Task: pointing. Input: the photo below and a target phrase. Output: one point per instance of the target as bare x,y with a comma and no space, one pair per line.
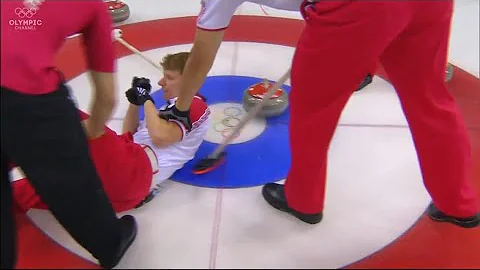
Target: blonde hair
175,62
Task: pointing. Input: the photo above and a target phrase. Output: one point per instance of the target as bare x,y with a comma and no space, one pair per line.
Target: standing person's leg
43,136
415,64
8,231
125,168
332,58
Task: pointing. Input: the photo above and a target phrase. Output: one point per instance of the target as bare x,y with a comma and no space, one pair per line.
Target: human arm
199,63
103,103
162,132
136,96
214,18
100,56
130,123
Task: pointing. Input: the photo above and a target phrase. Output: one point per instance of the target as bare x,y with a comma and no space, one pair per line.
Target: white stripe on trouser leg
152,157
16,174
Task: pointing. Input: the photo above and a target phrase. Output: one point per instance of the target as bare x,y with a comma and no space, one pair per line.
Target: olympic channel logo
26,15
25,12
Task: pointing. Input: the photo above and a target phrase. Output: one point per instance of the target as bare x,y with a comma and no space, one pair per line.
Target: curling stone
449,72
276,105
118,10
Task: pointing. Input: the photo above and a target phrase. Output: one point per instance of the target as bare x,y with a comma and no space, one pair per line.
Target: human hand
139,93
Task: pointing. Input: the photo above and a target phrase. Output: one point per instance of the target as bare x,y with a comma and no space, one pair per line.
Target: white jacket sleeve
217,14
290,5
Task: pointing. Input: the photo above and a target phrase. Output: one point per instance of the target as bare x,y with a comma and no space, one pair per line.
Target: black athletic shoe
275,196
368,80
152,194
129,233
437,215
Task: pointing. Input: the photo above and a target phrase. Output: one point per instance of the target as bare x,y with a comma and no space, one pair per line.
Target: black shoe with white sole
129,233
274,194
437,215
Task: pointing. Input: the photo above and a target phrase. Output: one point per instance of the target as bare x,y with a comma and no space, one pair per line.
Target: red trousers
341,42
123,166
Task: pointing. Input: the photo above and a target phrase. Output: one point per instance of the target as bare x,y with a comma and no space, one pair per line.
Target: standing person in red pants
40,126
410,38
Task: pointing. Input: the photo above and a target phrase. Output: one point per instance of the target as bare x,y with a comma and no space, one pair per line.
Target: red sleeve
98,39
198,110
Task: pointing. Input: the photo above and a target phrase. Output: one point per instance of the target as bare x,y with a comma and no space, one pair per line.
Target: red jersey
34,30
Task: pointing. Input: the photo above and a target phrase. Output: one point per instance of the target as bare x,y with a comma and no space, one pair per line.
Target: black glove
139,93
172,113
142,95
132,97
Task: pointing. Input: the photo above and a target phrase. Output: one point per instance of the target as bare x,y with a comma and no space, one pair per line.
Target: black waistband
61,89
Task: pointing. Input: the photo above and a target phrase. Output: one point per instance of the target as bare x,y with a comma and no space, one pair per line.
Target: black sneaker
129,233
437,215
368,80
150,196
275,196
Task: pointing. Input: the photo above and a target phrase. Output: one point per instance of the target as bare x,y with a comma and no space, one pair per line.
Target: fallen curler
218,155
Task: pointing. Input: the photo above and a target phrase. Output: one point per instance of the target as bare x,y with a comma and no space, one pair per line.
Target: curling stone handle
251,114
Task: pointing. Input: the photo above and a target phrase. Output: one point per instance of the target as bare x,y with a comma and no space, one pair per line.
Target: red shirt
31,37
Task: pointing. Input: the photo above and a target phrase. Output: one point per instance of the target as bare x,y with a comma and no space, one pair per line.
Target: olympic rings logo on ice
25,12
229,122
